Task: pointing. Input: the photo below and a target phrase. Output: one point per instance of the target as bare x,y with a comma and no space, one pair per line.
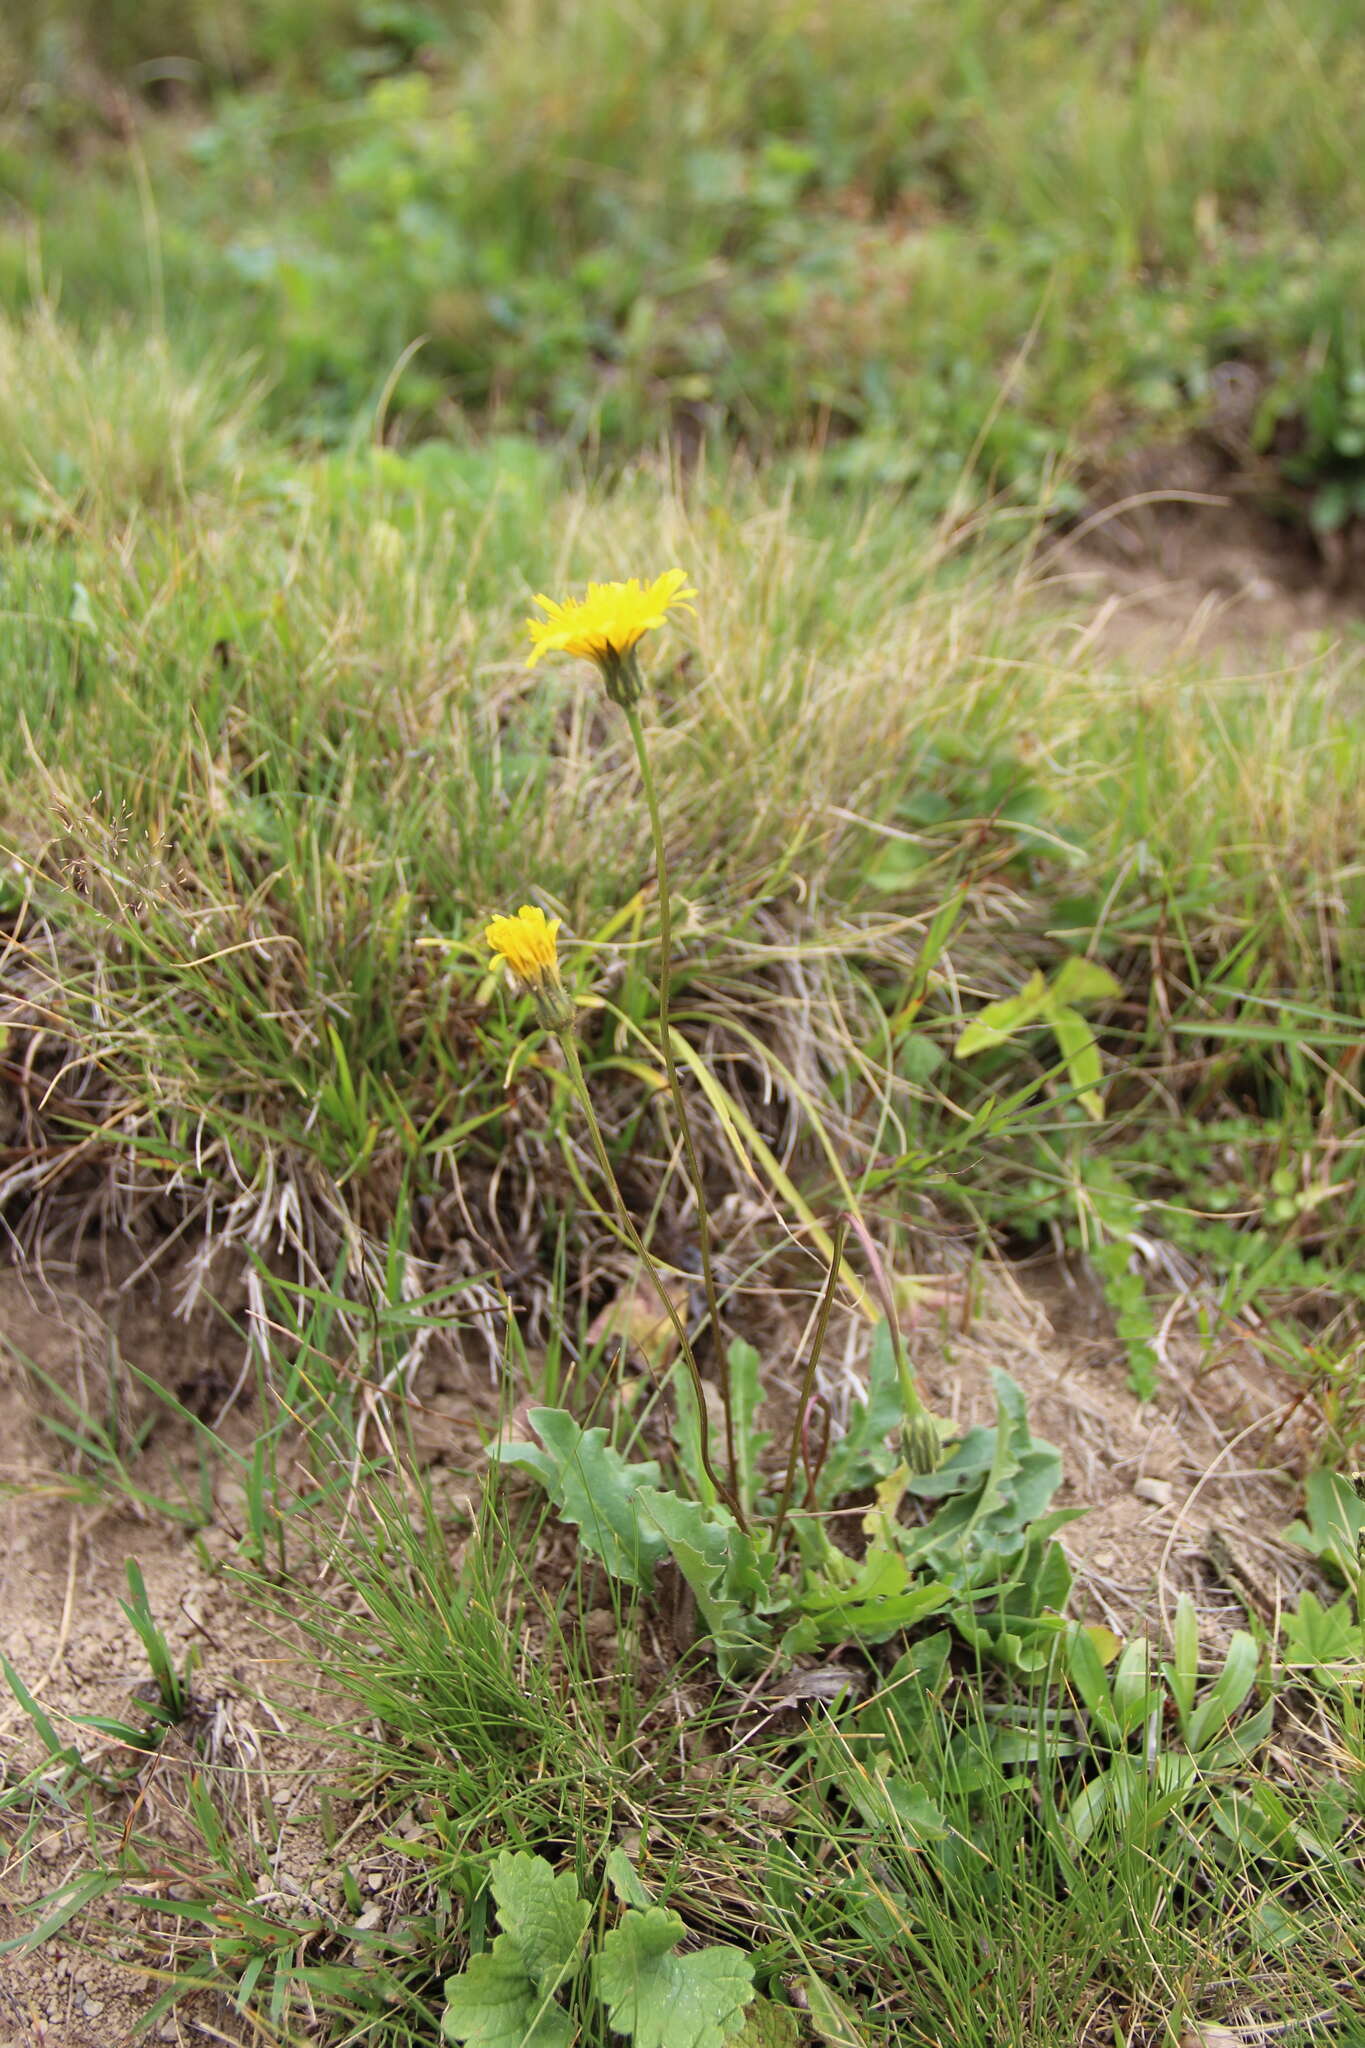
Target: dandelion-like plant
606,627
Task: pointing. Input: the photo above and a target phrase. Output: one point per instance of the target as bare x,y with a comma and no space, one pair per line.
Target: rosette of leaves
972,1540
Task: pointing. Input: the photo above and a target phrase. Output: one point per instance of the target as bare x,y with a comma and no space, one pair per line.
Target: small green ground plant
653,1995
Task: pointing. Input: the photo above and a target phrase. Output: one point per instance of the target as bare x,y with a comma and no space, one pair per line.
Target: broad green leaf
868,1778
1088,1675
862,1455
1273,1928
746,1392
494,2004
1090,1805
1226,1695
1080,981
1135,1696
687,1435
1318,1636
971,1460
729,1579
1237,1744
542,1913
1003,1477
768,2026
1335,1530
1182,1674
595,1489
625,1879
666,2000
879,1523
1081,1055
999,1021
918,1058
879,1602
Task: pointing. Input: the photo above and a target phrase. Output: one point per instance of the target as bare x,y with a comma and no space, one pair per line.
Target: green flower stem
637,1243
808,1381
920,1438
675,1090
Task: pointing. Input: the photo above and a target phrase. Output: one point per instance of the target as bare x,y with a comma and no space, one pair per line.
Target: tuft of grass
112,431
269,773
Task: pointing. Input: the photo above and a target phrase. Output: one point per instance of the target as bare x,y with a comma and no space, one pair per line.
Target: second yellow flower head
527,942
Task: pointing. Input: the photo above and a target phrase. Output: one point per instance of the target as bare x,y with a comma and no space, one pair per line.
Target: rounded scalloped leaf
666,2000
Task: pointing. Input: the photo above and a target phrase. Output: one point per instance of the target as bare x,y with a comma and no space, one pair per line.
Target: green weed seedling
1322,1643
173,1691
1324,1646
1144,1776
1334,1531
1055,1004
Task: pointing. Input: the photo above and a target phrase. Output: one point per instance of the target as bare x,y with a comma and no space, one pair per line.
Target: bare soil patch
65,1536
1184,556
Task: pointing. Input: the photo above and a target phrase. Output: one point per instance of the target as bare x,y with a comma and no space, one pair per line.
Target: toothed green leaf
505,1998
542,1913
494,2004
594,1488
666,2000
729,1578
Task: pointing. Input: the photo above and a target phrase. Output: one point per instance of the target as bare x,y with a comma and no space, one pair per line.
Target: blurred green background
1015,238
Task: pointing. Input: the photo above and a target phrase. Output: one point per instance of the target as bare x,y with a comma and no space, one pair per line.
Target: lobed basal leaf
665,2000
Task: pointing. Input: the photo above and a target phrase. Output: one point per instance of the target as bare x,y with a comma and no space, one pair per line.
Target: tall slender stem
675,1088
637,1243
808,1382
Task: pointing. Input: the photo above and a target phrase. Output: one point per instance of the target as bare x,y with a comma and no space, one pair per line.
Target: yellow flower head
605,626
527,943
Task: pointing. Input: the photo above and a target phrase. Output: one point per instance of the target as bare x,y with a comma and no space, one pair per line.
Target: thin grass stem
808,1379
679,1102
723,1492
